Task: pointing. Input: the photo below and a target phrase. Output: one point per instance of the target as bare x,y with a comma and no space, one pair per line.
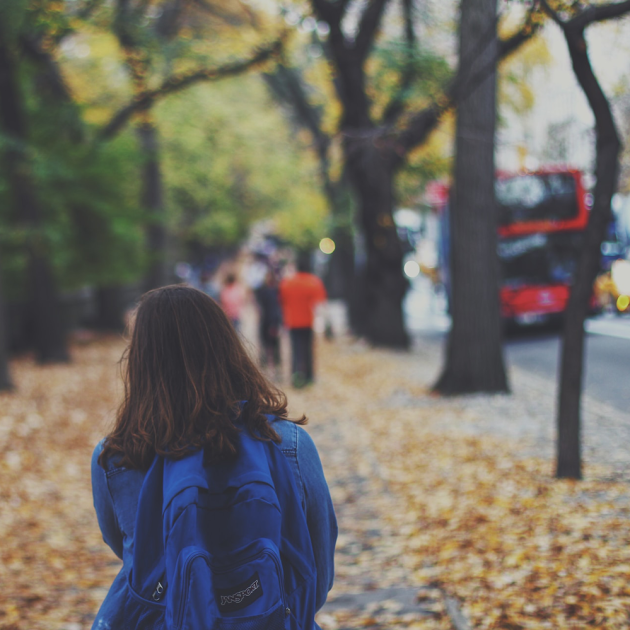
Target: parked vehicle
612,288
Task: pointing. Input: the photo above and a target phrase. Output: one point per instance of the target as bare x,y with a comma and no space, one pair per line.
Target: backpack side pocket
141,613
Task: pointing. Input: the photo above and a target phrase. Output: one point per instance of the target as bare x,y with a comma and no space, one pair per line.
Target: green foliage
92,197
229,160
90,223
12,17
516,94
394,72
431,161
92,228
391,60
430,74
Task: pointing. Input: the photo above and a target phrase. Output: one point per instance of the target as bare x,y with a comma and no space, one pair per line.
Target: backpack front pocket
275,619
246,587
249,581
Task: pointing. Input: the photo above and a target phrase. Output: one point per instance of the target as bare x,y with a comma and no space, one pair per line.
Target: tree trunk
49,336
153,202
341,268
5,377
110,308
340,272
474,356
608,146
371,174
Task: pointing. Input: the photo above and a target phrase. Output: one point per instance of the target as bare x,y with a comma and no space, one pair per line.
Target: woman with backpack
214,500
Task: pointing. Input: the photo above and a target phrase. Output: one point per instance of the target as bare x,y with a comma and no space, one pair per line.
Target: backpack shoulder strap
148,552
180,474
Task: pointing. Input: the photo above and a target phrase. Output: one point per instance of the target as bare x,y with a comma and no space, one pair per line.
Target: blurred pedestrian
270,320
256,272
299,296
208,285
232,299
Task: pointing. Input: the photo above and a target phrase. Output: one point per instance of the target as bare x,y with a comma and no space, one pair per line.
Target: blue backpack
222,546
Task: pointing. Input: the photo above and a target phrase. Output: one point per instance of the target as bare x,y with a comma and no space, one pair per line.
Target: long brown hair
186,374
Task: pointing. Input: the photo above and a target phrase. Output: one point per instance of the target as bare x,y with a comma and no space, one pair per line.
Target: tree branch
83,13
368,26
286,84
573,30
397,105
595,13
56,85
123,24
86,11
602,12
176,83
167,25
337,47
425,121
228,16
329,12
505,47
52,86
515,41
552,14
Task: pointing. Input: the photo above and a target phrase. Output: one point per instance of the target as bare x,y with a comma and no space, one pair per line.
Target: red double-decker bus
542,218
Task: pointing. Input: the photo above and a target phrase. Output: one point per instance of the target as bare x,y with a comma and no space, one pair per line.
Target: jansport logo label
237,598
240,595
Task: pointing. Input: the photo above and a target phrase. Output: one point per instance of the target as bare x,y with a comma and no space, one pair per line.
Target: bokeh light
411,268
327,245
620,273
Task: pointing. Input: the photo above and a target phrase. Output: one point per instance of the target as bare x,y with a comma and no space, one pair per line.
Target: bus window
536,197
539,259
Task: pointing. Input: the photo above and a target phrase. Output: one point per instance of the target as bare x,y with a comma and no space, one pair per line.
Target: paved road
607,359
536,350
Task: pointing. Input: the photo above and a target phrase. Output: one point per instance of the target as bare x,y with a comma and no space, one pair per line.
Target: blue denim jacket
116,491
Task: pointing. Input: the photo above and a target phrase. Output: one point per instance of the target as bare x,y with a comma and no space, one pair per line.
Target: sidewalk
441,503
454,500
527,415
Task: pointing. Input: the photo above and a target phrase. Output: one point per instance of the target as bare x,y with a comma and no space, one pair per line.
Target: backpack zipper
187,569
276,561
157,594
287,610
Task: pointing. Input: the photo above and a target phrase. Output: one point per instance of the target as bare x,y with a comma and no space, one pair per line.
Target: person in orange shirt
299,295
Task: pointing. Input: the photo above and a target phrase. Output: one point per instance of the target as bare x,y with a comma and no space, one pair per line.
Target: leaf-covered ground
54,566
426,511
